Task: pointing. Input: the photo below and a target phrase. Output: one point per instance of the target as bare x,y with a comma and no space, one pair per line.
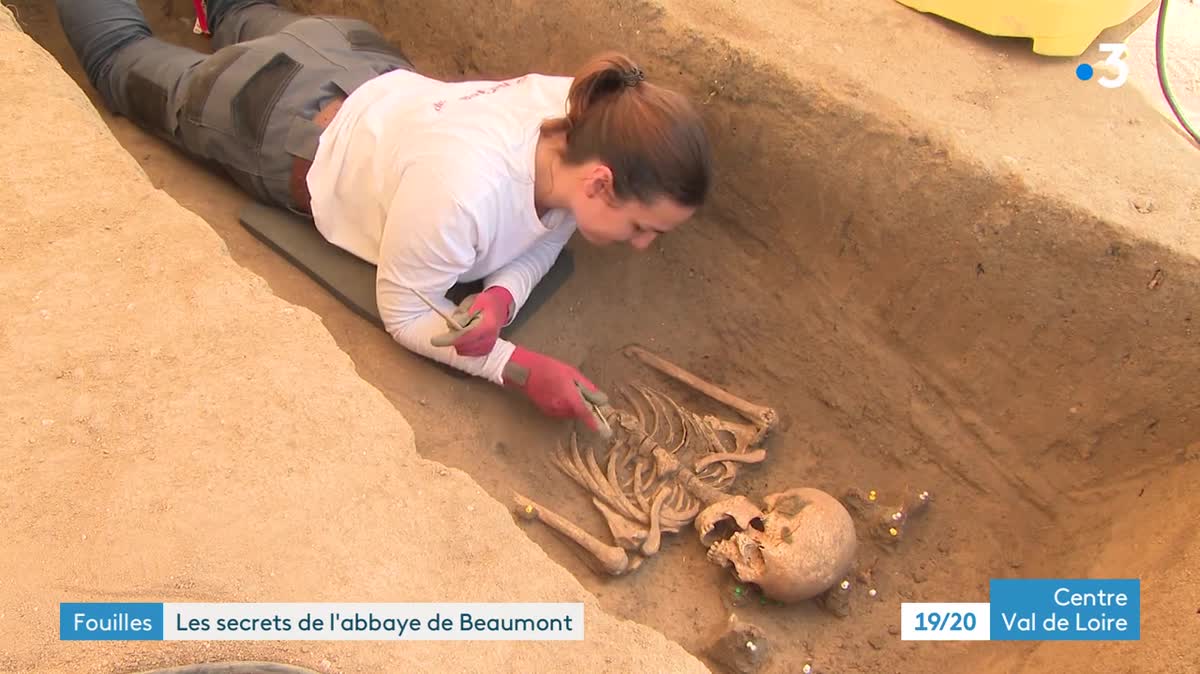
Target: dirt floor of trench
855,414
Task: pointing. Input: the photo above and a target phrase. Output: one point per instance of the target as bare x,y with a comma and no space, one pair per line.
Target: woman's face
602,219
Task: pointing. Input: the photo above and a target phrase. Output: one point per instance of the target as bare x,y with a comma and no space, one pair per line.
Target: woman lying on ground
434,182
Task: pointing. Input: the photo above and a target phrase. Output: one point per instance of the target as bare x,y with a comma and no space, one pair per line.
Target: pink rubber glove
557,389
482,316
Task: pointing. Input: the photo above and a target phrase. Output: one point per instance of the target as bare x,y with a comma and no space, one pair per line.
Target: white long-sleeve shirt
433,182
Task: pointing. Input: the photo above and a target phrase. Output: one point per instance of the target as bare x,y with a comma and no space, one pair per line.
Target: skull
798,547
717,521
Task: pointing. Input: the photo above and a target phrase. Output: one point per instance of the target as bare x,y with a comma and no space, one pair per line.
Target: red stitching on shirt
480,92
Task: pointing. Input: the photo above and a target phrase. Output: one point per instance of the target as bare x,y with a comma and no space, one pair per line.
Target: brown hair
651,138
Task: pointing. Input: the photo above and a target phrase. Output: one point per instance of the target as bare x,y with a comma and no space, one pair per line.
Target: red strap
201,14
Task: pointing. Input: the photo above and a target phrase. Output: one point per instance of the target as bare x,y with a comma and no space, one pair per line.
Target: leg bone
612,560
764,417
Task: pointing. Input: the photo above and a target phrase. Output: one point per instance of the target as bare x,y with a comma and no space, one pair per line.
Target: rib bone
617,458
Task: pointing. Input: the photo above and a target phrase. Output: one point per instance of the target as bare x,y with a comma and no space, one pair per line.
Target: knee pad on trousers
146,83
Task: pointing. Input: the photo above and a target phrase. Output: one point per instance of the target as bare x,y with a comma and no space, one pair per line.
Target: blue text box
110,622
1066,609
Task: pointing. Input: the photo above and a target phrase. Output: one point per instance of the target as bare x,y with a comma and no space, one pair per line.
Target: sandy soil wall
175,431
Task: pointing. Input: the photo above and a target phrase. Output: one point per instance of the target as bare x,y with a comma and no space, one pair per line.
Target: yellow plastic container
1058,27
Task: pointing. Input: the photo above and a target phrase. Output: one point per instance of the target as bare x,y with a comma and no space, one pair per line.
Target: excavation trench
920,323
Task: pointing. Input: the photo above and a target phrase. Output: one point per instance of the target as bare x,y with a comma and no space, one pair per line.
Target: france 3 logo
1116,52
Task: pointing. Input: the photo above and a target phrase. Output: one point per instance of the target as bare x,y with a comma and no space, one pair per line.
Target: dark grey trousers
247,107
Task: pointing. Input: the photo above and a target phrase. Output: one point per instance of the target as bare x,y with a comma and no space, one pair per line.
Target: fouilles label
110,622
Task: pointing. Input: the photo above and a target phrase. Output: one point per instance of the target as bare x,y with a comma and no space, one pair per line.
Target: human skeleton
666,467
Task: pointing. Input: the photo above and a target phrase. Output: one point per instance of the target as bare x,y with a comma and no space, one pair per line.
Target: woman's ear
598,183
